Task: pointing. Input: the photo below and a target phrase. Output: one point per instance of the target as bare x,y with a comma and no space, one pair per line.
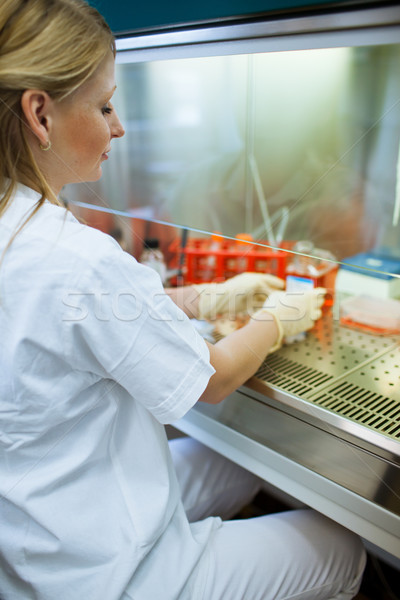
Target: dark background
126,16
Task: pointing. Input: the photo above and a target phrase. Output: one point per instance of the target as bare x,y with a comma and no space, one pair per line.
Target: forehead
100,84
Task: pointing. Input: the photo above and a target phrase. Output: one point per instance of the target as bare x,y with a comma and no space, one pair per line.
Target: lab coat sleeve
119,324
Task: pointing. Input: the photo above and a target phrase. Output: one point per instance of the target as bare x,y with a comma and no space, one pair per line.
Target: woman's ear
36,109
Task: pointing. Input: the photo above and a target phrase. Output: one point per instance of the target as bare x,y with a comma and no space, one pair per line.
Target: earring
45,148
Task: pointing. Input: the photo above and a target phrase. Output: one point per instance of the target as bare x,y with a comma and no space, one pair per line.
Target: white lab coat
94,359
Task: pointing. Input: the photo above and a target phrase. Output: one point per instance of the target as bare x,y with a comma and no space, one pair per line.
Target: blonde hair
50,45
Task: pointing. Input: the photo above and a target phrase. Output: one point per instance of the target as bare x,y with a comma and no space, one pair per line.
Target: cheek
87,137
97,138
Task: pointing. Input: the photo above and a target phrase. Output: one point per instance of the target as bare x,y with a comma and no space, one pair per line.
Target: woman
95,357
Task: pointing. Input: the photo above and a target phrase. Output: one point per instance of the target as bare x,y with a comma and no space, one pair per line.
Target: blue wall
131,15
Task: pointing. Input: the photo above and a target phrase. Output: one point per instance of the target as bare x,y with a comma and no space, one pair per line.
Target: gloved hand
294,312
244,293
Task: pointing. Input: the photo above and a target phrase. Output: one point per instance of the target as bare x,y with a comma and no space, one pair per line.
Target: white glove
294,312
244,293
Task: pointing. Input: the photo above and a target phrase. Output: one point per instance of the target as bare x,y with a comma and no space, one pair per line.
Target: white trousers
296,554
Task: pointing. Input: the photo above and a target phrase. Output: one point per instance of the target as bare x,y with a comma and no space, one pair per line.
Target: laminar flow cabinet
287,129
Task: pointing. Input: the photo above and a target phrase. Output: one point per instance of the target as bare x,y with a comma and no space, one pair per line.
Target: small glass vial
312,267
153,257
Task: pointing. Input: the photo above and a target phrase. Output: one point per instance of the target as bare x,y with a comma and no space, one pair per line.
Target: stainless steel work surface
330,404
345,378
346,385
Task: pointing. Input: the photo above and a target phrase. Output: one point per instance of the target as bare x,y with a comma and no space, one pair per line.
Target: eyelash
106,110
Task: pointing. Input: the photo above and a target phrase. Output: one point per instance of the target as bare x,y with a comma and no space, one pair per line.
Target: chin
94,176
84,177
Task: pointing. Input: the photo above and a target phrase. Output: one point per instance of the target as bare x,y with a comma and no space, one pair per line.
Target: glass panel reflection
283,146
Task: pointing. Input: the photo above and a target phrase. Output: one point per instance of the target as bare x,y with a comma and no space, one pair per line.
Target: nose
117,129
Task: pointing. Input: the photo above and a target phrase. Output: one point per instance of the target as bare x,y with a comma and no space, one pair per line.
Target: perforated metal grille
369,409
353,374
336,350
291,376
370,395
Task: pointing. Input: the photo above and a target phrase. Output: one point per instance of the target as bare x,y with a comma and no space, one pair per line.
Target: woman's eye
106,110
